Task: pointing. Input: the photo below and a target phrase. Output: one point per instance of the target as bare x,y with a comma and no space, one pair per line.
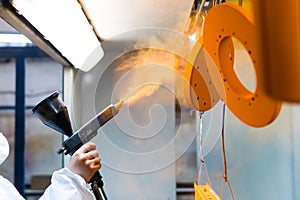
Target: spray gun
53,113
89,130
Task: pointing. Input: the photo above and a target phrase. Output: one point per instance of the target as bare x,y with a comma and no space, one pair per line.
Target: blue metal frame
25,52
20,54
19,177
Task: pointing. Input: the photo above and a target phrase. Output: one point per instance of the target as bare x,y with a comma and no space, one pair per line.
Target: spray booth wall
43,76
262,162
139,154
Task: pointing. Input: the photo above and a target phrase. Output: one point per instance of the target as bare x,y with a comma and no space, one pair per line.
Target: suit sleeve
65,185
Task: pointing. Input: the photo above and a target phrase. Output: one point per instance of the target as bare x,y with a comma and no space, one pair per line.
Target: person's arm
70,182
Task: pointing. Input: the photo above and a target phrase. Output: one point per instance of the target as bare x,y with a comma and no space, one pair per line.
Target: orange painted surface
221,24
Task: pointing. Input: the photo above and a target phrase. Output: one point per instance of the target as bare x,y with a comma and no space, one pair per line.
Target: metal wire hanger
201,158
225,175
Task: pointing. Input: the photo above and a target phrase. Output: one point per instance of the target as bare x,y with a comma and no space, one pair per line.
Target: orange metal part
278,25
201,94
221,24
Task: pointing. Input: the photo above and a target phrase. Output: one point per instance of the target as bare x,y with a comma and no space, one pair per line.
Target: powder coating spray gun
53,113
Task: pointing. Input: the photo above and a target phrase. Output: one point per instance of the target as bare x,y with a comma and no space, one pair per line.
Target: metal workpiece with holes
253,108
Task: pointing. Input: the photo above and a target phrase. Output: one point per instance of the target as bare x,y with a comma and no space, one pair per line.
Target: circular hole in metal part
250,52
204,103
213,100
243,67
245,42
220,36
198,98
253,98
195,85
224,79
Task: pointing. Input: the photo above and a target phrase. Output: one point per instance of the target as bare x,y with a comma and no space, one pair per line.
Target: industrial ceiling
106,18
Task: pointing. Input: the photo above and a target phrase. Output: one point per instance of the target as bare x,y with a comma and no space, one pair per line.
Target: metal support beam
19,178
12,52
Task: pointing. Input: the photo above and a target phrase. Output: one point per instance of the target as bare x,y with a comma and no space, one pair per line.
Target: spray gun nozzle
119,104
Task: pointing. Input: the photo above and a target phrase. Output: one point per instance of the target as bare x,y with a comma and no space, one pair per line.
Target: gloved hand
85,161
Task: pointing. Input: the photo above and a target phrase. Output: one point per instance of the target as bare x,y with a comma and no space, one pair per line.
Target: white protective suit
64,183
